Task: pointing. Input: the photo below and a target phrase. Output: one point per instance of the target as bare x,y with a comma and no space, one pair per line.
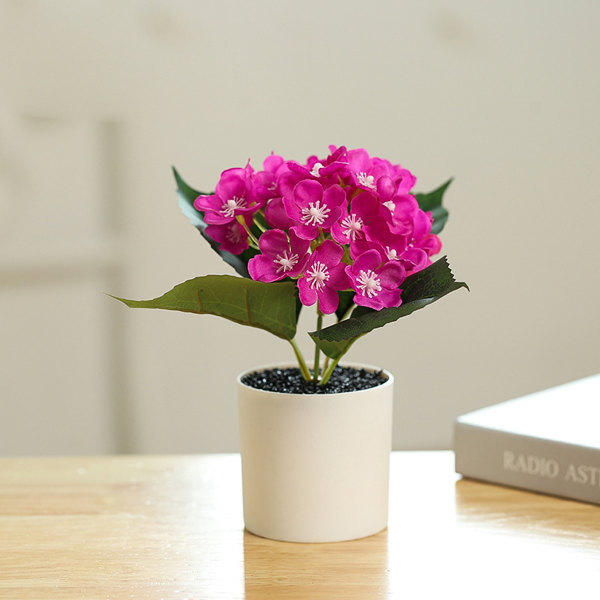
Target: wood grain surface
172,527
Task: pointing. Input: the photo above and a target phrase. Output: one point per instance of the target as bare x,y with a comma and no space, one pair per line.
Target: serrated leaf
268,306
419,290
432,202
186,196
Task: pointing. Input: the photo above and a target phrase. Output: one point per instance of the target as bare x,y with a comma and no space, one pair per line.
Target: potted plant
346,235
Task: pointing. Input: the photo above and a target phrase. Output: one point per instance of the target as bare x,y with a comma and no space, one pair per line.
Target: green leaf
432,202
419,290
268,306
187,195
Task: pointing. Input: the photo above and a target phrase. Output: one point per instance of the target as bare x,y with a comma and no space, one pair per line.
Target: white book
545,442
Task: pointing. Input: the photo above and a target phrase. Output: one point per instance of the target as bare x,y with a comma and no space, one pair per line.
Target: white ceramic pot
315,467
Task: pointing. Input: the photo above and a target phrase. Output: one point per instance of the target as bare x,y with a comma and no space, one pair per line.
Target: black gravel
343,379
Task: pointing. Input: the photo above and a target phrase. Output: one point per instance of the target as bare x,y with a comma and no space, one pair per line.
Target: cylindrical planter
315,467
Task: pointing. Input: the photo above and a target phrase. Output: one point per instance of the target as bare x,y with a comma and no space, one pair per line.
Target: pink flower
233,196
397,248
403,178
323,277
335,164
373,173
327,171
365,171
280,257
231,237
313,208
403,209
265,182
377,286
413,254
350,228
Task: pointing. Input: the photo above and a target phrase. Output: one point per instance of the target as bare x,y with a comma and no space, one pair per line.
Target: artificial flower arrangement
345,234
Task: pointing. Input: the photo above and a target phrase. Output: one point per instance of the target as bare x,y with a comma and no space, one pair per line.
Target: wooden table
171,527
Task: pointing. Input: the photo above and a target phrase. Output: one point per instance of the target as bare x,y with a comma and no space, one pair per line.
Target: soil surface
343,379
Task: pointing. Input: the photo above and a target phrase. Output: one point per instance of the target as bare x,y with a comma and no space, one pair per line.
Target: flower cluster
345,222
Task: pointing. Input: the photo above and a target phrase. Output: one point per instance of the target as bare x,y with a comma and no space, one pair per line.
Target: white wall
99,98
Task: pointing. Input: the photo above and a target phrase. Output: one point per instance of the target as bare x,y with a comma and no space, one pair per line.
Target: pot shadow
298,570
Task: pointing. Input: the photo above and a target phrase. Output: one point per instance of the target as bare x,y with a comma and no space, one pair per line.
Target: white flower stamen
286,261
390,204
228,209
352,227
391,253
316,168
315,214
365,180
317,275
234,233
368,283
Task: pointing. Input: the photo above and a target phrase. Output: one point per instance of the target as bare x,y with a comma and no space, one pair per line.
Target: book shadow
503,509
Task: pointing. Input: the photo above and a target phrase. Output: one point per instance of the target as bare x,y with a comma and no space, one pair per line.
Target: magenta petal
337,233
272,163
359,159
276,215
300,170
287,183
431,244
422,224
299,245
280,258
338,280
215,218
307,191
308,296
232,183
328,300
334,196
378,231
367,261
291,208
331,218
405,207
391,275
405,179
273,241
306,232
329,253
207,203
360,246
231,237
374,302
415,259
385,188
390,298
261,268
366,206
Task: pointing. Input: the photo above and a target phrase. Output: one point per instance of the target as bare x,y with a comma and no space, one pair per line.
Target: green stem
301,362
317,360
327,373
240,219
327,368
258,221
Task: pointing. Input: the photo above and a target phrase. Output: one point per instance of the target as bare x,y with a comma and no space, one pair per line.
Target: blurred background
99,98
